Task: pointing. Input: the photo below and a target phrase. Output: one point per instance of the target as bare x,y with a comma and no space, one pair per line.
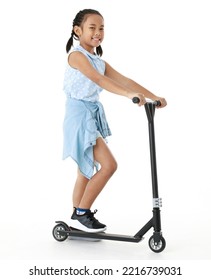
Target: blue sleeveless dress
84,117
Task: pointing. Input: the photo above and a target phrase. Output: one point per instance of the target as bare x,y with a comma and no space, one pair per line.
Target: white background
165,46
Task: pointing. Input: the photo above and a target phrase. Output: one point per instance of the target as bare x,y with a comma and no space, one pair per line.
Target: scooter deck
104,236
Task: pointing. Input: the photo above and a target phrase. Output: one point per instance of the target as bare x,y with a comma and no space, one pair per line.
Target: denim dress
85,118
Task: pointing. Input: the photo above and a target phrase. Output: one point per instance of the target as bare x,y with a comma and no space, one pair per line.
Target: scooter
156,242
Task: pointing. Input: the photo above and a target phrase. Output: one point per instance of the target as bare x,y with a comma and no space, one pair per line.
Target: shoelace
91,215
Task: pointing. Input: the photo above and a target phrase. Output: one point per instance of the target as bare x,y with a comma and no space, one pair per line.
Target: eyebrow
93,24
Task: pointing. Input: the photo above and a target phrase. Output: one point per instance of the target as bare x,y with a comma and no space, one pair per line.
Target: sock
81,211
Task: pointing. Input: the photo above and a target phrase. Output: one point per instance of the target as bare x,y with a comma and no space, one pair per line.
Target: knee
114,167
110,168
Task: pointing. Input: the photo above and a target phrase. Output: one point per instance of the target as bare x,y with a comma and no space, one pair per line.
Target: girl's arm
131,85
79,61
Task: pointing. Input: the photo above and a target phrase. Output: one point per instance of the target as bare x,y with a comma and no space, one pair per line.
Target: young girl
85,124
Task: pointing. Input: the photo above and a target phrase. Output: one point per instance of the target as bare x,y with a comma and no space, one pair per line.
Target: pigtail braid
70,42
99,50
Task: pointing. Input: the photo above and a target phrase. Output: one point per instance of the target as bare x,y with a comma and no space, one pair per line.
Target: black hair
79,19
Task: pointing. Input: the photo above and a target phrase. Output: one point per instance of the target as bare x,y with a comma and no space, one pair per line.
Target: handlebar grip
136,100
157,103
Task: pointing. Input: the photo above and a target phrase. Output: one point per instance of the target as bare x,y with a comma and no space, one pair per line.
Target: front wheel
59,232
157,247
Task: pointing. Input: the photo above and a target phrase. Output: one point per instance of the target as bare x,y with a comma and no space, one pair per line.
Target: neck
87,48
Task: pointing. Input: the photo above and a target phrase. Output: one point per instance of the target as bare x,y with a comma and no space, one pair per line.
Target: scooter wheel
157,247
57,232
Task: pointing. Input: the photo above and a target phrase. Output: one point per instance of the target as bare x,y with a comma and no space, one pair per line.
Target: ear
77,30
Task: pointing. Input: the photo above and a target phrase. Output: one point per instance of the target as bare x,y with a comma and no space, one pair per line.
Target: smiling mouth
96,39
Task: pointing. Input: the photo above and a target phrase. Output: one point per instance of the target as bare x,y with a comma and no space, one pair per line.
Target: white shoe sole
77,225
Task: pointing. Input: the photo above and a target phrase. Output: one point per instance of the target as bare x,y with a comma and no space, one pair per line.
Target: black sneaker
86,222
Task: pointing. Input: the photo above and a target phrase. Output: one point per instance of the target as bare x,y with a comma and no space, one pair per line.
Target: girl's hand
162,101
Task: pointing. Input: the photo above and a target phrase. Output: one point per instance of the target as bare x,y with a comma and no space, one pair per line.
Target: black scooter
156,242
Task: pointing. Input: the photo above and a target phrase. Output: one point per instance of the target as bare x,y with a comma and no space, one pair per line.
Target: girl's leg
79,188
94,186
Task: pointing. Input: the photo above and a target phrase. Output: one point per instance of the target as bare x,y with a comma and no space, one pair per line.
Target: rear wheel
59,232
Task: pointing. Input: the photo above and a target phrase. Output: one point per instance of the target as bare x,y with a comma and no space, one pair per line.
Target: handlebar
136,100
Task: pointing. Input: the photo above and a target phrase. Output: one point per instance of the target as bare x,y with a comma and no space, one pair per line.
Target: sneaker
86,222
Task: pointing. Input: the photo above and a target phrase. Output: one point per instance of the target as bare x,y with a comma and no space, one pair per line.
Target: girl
85,124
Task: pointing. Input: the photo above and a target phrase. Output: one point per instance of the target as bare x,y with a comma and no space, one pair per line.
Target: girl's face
91,33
